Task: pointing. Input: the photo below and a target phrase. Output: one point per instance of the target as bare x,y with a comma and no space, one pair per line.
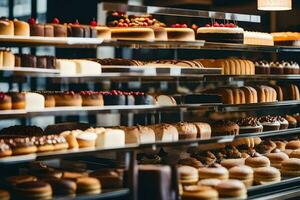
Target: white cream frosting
219,30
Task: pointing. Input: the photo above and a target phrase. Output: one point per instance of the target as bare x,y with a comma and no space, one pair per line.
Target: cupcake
276,68
269,123
249,125
290,67
284,124
262,67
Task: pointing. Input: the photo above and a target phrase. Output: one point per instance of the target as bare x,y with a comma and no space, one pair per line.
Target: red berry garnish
93,22
231,25
207,25
76,22
194,26
183,26
55,20
31,21
216,24
222,25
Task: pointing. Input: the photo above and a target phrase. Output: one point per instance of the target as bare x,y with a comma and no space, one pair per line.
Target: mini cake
266,175
258,38
48,30
276,68
68,98
180,32
232,189
186,130
242,173
36,29
249,125
6,27
290,167
5,101
222,127
28,60
197,192
41,62
86,139
227,33
21,28
60,30
130,33
262,67
284,124
114,97
187,175
18,100
256,160
213,171
291,68
90,98
269,123
276,157
75,30
142,98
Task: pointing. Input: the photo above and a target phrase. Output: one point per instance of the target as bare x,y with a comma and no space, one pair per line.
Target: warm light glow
274,4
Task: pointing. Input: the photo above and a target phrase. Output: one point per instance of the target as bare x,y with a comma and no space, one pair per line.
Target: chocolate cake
36,29
48,30
28,60
143,99
249,125
41,62
60,30
224,127
114,97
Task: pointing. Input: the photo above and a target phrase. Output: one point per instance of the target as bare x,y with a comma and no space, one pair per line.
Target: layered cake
225,33
180,32
249,125
258,38
286,38
269,123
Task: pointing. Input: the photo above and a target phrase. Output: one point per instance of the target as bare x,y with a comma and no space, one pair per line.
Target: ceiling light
270,5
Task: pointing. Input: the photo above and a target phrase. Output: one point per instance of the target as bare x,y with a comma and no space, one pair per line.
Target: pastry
5,101
87,67
6,27
90,98
4,195
292,121
132,33
269,123
187,175
197,192
291,92
203,130
266,175
190,162
249,125
108,178
266,146
88,185
295,154
21,146
280,144
73,176
18,100
186,130
35,28
68,98
266,94
15,180
250,94
232,189
222,127
33,190
5,150
62,186
290,167
165,100
293,145
225,33
60,30
276,157
165,132
213,171
8,59
256,160
86,139
242,173
205,157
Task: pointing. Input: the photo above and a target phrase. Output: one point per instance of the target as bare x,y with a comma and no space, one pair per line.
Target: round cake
225,33
5,101
249,125
180,33
21,28
132,33
69,98
6,27
91,98
60,30
222,127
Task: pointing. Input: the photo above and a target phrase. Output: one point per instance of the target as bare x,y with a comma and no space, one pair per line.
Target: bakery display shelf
65,42
287,188
136,44
18,159
106,6
105,194
256,77
216,107
284,132
27,71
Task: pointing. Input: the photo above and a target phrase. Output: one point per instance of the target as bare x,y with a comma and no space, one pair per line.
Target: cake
41,62
258,38
266,94
18,100
114,97
249,125
48,30
269,123
87,67
143,99
21,28
222,127
8,59
91,98
224,33
262,67
34,101
129,33
5,101
60,30
6,27
66,67
103,32
110,138
35,28
180,32
28,60
286,38
68,98
75,30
